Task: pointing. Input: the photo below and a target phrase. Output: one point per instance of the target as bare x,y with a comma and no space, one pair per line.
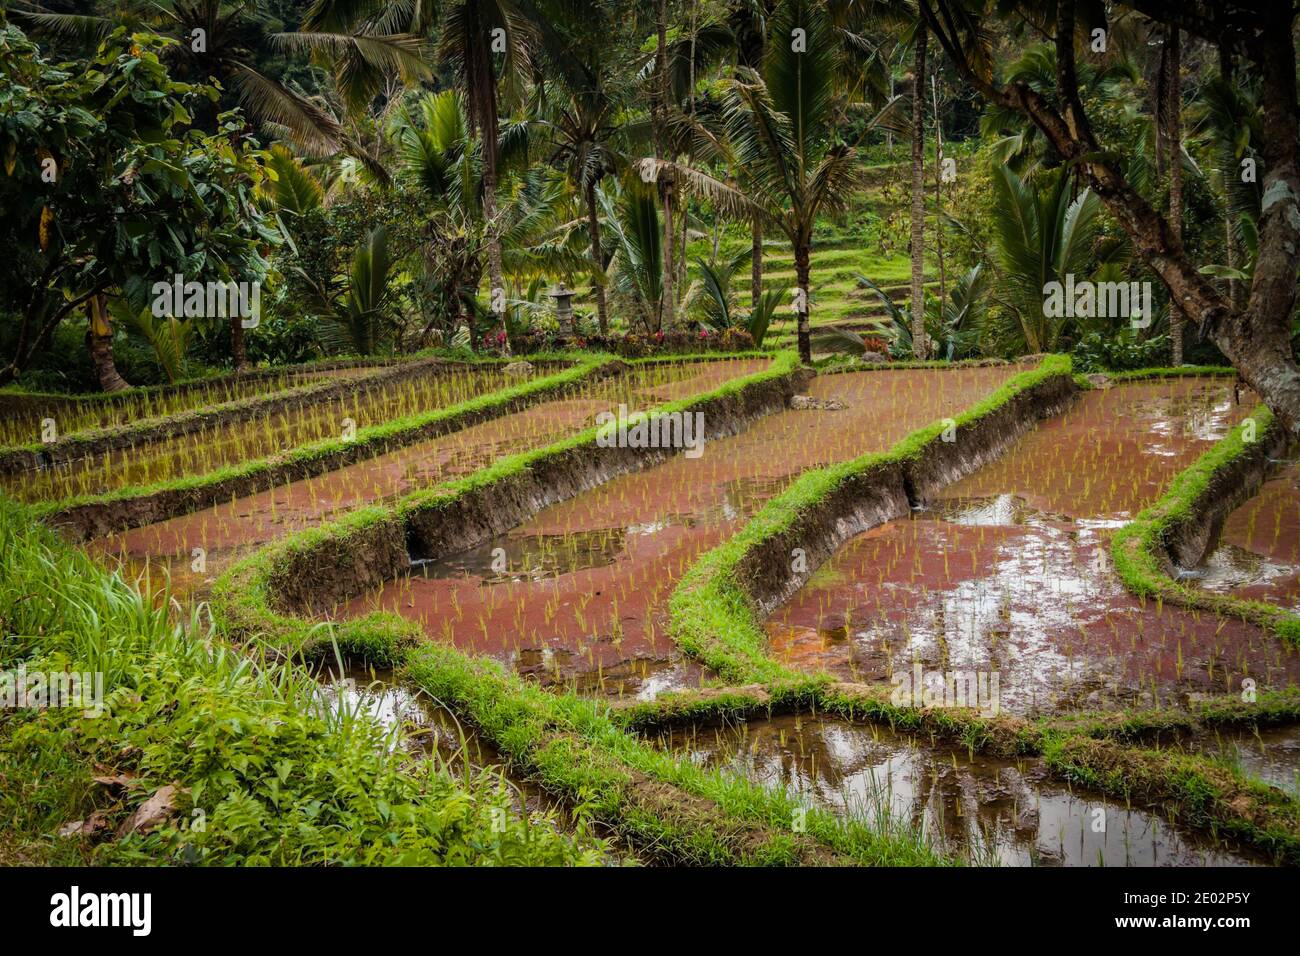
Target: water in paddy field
986,810
165,550
1258,554
578,596
1269,754
1009,572
430,730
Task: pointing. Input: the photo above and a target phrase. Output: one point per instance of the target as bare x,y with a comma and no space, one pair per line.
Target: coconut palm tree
1040,236
783,128
472,32
438,156
220,38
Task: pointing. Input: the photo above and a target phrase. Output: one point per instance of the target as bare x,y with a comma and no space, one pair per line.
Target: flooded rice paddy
1007,574
984,810
575,596
166,550
71,417
229,443
1258,554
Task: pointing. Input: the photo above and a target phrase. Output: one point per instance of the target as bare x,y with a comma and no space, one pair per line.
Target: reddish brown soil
581,597
1010,572
230,531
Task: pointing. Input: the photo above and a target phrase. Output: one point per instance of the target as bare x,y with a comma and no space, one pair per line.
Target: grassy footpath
202,755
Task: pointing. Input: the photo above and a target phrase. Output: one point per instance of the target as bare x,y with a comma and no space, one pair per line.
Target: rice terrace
659,434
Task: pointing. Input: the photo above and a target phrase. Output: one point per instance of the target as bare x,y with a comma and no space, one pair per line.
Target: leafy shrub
1096,352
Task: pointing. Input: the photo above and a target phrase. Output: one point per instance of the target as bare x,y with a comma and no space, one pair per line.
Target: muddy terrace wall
1191,534
15,461
1181,528
889,489
112,513
441,523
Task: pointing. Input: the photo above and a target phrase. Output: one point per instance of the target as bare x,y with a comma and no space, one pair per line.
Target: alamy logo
73,909
208,300
1098,300
40,690
975,689
654,430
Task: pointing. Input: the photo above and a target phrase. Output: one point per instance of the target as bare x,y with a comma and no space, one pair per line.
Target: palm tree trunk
667,305
938,192
1173,115
803,273
597,257
756,266
481,81
496,279
99,343
1231,249
920,348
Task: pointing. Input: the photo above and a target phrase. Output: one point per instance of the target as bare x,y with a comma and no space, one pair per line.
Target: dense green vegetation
247,760
194,189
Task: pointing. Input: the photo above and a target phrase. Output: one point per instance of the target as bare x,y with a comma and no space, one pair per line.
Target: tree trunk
803,277
99,342
482,93
597,257
1256,339
237,349
920,348
1174,139
1232,250
496,279
756,267
668,301
938,193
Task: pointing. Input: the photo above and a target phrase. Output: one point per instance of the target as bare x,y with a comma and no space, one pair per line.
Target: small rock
807,402
1099,380
519,368
873,358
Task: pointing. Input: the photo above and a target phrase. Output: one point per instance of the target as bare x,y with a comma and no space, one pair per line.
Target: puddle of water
985,810
602,616
1019,585
432,731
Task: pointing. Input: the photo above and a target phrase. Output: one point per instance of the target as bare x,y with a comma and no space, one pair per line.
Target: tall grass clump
251,764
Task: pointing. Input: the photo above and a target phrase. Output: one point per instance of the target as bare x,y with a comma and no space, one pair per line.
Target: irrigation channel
164,551
575,596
